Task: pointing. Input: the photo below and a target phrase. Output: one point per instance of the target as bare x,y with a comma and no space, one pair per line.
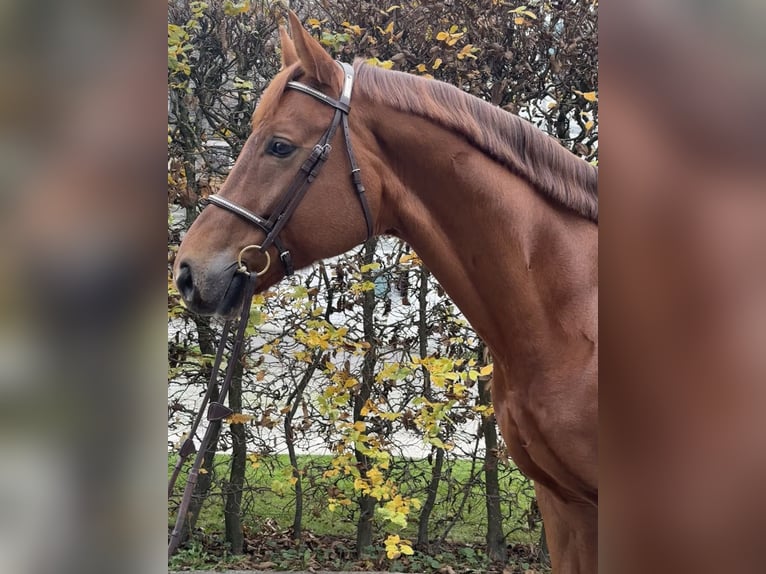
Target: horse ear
289,55
317,63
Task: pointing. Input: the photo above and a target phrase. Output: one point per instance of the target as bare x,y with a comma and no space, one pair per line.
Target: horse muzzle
212,289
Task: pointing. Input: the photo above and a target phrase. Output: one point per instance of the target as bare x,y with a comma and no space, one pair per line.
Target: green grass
265,509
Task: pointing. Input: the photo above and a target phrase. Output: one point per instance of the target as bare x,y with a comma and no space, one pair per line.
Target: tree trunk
232,512
423,541
188,142
366,503
294,401
289,440
496,547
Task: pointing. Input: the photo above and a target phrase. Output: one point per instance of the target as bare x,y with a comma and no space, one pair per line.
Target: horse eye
280,148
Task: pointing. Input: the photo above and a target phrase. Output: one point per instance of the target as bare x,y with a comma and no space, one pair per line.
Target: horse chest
545,432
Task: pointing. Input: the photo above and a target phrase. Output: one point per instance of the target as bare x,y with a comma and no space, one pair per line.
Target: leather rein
272,226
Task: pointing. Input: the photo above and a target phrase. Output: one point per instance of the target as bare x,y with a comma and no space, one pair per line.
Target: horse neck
522,270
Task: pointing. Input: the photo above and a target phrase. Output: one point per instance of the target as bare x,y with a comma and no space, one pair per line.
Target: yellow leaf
519,20
350,382
442,36
588,125
355,28
203,471
486,370
437,63
359,426
406,549
369,267
390,416
588,96
410,258
313,22
375,476
467,52
238,419
453,39
387,64
259,300
419,68
389,28
392,539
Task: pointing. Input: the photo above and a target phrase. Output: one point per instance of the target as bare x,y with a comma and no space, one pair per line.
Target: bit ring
242,268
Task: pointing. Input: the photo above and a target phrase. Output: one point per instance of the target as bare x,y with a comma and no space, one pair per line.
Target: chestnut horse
504,217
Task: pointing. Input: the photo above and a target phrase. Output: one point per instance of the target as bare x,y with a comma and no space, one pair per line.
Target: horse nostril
185,282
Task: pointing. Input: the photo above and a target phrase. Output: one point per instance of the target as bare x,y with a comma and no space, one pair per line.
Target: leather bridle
307,173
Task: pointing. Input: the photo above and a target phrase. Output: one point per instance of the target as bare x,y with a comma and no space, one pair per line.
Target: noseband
308,172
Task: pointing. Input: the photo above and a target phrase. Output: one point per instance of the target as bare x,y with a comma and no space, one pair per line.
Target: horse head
290,197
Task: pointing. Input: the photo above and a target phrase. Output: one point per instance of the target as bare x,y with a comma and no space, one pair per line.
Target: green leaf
437,442
299,292
235,8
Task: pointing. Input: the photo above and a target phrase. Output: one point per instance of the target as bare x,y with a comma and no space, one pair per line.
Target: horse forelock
512,141
267,105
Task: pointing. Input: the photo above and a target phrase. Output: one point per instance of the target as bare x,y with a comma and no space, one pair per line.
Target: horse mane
512,141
